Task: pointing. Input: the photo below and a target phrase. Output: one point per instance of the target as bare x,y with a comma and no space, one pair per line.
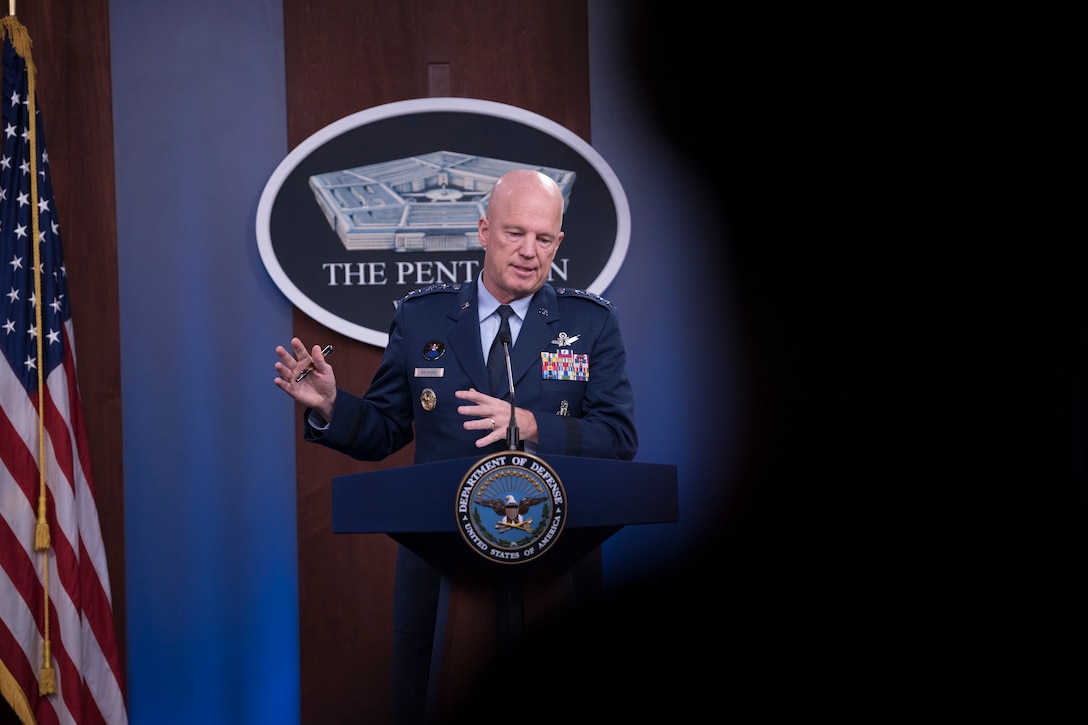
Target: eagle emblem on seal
512,511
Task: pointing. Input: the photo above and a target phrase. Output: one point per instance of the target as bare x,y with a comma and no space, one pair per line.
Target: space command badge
511,507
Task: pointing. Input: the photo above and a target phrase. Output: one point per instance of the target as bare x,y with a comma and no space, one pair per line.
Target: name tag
564,365
430,372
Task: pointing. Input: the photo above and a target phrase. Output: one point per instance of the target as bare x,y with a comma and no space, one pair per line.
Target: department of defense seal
511,507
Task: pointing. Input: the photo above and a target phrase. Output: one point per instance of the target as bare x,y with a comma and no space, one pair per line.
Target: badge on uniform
433,350
564,365
564,340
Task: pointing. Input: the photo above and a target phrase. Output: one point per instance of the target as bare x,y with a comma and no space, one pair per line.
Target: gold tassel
41,533
47,678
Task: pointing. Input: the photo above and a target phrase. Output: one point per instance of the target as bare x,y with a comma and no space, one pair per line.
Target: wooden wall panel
71,44
344,56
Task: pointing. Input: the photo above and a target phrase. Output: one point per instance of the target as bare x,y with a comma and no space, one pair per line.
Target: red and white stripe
85,656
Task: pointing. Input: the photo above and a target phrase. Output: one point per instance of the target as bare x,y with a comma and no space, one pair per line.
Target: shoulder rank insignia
440,287
582,294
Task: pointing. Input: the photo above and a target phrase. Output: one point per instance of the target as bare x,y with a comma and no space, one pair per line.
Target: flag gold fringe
16,32
12,29
17,699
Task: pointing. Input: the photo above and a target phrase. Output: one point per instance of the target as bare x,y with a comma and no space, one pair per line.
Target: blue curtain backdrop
199,125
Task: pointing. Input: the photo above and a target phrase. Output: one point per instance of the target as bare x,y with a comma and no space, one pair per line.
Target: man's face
520,234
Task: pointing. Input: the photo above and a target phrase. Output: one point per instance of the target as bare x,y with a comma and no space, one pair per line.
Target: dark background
912,504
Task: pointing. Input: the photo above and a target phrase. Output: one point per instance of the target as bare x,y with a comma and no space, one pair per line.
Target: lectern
416,506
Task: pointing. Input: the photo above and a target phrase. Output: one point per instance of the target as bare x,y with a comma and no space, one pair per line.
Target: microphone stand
512,434
509,591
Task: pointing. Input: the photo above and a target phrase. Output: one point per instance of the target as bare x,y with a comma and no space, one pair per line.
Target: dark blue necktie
496,359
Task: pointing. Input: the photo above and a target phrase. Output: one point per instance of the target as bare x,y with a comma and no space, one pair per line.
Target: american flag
59,661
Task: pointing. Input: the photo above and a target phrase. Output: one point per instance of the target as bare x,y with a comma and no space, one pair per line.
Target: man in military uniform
571,387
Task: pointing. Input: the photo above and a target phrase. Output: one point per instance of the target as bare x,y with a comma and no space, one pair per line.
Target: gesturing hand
317,389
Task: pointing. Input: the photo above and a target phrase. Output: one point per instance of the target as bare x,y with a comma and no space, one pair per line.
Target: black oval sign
386,201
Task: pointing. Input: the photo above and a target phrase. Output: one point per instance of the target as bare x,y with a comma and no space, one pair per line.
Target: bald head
520,233
526,183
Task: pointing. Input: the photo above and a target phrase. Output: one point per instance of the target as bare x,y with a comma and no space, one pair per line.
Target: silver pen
310,368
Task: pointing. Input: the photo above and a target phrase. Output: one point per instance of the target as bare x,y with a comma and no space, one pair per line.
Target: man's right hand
318,389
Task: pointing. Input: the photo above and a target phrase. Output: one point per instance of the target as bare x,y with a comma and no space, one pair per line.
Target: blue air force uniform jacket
415,384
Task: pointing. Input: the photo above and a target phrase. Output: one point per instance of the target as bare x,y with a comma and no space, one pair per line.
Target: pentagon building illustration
422,203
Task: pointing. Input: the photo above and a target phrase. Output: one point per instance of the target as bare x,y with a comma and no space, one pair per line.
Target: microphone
512,434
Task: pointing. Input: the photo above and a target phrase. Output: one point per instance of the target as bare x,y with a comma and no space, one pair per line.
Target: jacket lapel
464,337
535,333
